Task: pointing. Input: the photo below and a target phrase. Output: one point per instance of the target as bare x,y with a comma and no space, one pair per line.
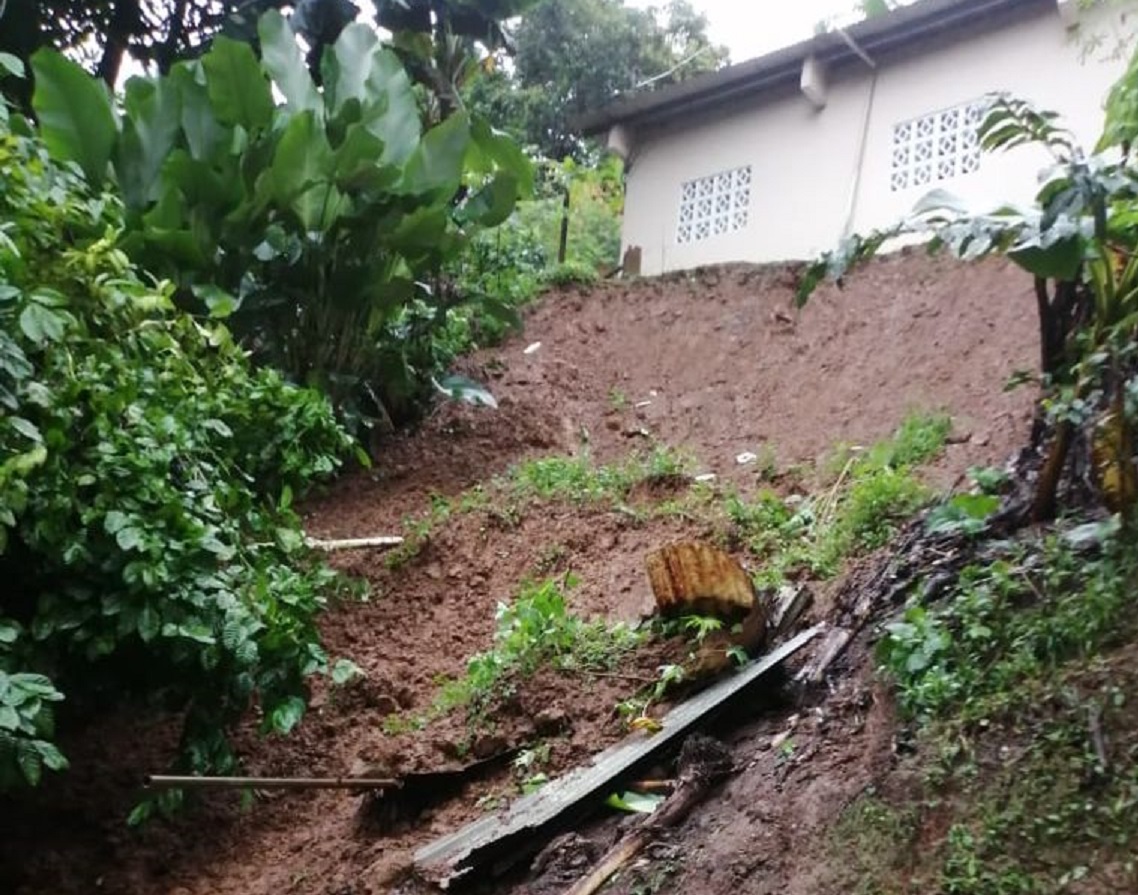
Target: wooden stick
162,781
353,543
652,786
692,785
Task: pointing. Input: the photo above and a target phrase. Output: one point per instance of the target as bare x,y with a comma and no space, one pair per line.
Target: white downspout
855,187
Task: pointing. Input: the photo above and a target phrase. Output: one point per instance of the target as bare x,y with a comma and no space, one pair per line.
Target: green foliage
1009,626
579,480
1020,682
335,210
102,33
27,722
441,41
534,631
965,513
875,489
575,56
512,263
145,489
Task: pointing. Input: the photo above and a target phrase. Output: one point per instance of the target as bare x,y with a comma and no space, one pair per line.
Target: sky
748,31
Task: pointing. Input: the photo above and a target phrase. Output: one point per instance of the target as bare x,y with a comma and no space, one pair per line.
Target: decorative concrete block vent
937,146
714,205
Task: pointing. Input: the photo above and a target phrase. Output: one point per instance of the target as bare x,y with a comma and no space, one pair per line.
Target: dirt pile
715,363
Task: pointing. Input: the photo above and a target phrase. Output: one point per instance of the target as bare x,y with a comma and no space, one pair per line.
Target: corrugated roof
878,36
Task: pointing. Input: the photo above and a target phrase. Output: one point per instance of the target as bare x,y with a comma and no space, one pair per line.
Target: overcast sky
748,30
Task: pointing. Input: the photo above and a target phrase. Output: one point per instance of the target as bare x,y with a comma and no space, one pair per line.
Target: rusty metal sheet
496,841
690,576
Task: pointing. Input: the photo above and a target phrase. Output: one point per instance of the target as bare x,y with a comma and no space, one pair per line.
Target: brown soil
714,362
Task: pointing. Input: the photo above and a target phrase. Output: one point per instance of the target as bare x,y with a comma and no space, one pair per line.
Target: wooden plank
792,602
832,646
513,834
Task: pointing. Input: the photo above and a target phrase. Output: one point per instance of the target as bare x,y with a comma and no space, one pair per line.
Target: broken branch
703,762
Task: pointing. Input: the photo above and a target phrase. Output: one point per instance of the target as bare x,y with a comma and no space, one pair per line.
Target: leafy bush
318,225
536,630
1007,625
512,263
145,487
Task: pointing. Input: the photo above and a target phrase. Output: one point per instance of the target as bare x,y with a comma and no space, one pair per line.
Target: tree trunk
125,23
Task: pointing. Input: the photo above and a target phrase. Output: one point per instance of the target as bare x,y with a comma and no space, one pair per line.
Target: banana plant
315,218
1079,242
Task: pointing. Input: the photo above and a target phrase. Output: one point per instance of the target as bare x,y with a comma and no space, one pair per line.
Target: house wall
805,162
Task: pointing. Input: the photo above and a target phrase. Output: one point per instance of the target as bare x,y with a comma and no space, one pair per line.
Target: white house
780,157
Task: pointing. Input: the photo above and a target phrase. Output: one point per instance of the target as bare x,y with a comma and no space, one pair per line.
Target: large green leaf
282,59
302,170
74,112
205,135
202,186
358,68
238,90
493,150
150,131
435,167
492,204
357,162
421,229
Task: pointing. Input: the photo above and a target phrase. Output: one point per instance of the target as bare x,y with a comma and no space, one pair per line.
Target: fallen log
496,842
703,762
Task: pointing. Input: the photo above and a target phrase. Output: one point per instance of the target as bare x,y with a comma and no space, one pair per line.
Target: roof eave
907,25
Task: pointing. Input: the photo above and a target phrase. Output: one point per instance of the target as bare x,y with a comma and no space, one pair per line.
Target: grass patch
872,491
572,479
536,630
874,841
579,480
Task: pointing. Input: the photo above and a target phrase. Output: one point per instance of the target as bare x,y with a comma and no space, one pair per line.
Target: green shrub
147,544
317,221
1007,625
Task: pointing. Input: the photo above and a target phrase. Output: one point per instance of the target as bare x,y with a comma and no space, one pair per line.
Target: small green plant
989,479
618,400
578,479
964,513
533,631
527,765
872,491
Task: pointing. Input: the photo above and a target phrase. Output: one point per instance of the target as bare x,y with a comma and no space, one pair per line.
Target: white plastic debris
531,348
746,457
706,477
640,404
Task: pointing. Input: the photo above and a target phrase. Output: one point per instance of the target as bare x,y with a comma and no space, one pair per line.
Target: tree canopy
575,55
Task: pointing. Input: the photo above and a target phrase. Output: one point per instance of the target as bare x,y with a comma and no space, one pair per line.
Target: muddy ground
713,363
